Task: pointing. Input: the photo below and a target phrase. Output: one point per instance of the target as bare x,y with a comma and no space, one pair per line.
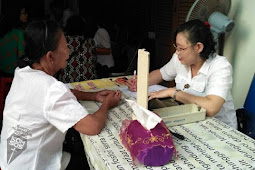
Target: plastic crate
182,114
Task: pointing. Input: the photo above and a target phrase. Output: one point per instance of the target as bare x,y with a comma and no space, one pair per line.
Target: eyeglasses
179,50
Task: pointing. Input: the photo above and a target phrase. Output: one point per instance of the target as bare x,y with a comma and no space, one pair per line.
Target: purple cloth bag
153,147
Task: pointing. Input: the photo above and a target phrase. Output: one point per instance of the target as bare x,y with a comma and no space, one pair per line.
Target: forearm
103,51
80,95
155,77
212,104
92,124
99,118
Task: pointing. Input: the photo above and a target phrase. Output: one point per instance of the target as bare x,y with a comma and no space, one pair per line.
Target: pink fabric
153,147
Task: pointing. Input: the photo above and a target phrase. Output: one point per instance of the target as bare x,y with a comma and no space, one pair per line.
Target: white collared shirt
38,112
102,40
213,78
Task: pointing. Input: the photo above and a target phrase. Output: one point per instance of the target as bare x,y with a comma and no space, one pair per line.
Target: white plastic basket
182,114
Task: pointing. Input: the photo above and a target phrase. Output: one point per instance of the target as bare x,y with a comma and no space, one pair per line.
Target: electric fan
215,12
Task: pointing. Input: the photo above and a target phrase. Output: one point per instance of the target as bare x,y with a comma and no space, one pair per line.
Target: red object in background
121,80
5,84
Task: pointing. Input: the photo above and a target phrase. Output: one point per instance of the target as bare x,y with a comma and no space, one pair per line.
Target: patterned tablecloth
208,144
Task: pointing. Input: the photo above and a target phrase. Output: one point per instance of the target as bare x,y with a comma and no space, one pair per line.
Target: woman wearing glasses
39,109
201,76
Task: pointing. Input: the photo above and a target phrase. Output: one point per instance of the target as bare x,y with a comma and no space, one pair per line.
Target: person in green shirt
12,39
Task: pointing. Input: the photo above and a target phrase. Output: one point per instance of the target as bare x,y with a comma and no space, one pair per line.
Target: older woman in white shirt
201,76
39,109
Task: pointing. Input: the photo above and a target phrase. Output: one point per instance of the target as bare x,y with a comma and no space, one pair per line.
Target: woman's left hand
101,95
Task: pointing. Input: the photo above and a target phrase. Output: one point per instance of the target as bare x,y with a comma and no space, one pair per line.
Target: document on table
152,88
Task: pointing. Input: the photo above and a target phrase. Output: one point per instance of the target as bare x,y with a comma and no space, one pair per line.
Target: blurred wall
239,48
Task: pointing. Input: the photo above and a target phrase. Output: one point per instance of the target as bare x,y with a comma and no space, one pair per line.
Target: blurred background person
12,38
81,65
105,60
56,9
103,43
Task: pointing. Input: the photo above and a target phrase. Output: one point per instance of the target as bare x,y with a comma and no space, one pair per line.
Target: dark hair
40,37
56,10
197,31
11,19
75,25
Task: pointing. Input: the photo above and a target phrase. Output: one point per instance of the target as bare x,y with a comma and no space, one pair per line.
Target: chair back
246,115
5,84
249,103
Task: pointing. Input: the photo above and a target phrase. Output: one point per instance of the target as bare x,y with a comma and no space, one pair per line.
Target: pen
179,136
133,83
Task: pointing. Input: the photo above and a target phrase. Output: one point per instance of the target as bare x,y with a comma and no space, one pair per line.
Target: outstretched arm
211,103
92,124
155,77
103,51
92,96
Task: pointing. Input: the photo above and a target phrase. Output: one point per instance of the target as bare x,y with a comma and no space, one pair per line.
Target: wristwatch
175,93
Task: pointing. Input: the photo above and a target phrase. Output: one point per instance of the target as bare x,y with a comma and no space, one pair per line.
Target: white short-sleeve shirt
213,78
102,40
39,110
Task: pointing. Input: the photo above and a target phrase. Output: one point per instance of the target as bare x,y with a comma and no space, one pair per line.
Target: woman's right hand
112,99
101,95
132,84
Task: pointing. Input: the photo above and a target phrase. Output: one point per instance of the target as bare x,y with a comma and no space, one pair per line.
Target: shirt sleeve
220,79
102,38
62,109
169,70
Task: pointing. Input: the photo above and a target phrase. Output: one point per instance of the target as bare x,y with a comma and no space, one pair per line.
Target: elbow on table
90,126
214,104
95,129
211,112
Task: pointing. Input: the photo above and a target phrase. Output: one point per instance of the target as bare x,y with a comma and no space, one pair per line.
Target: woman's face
61,54
23,15
185,50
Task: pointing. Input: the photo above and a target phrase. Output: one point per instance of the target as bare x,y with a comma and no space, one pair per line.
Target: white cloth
67,13
147,118
102,40
38,112
213,78
66,157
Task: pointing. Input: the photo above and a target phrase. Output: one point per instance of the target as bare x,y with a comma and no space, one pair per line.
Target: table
208,144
